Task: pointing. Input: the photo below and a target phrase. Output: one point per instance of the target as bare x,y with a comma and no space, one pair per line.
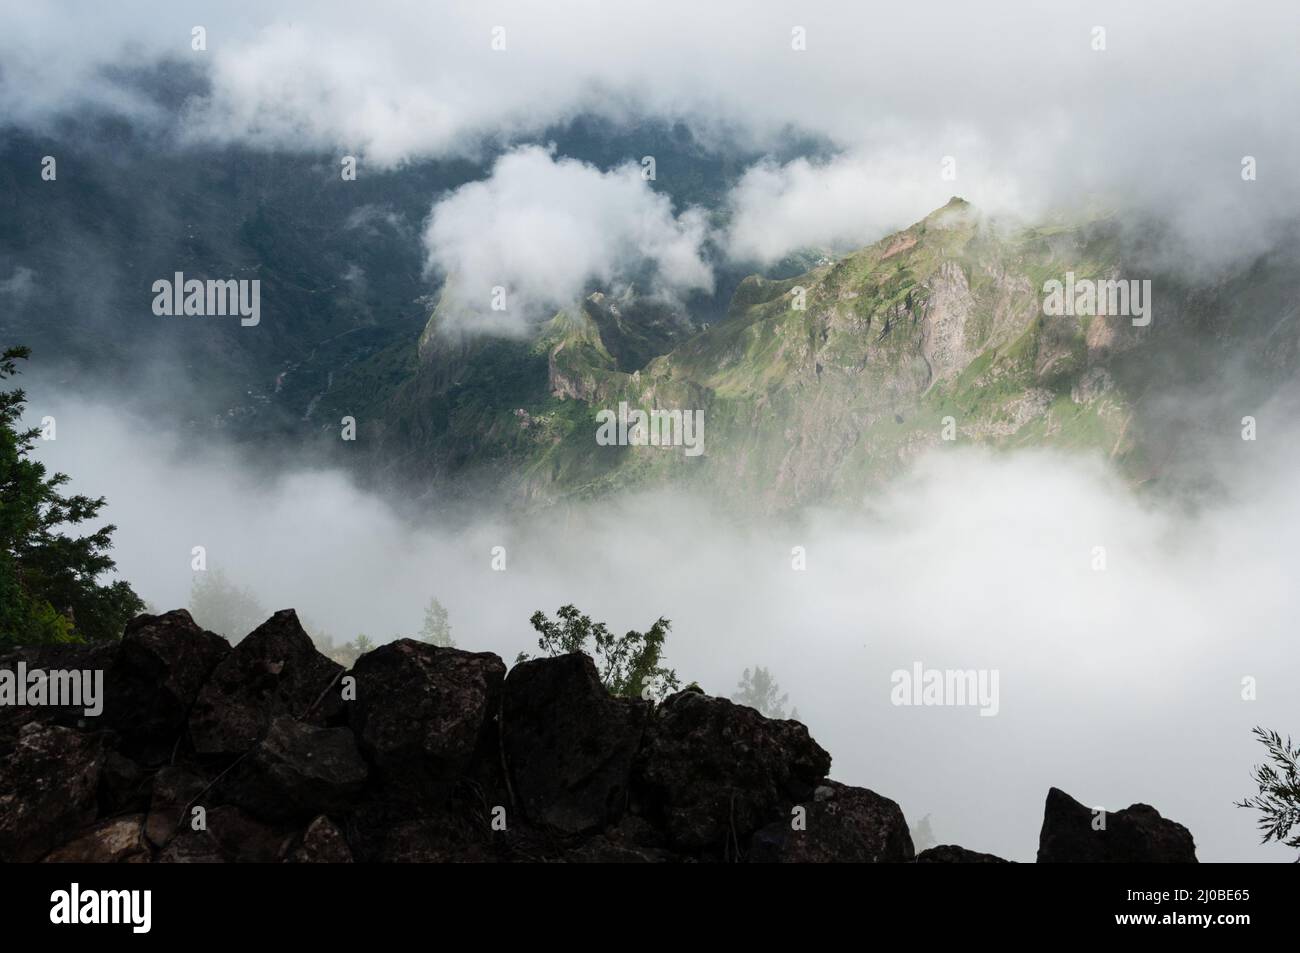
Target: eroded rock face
423,713
712,772
275,671
1135,835
569,744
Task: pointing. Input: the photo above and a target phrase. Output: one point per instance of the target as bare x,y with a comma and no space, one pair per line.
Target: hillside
934,332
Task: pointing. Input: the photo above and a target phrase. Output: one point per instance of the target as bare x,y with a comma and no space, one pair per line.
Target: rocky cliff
270,752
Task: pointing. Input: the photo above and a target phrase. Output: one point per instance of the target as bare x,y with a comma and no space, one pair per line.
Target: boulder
161,665
840,824
951,854
49,787
231,837
173,790
322,843
425,715
45,658
275,671
119,840
711,772
568,743
297,771
1135,835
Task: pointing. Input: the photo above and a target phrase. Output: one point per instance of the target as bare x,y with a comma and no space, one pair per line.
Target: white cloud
545,228
1162,116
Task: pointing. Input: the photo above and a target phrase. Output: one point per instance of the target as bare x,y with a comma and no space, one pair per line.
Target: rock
951,854
123,786
46,658
276,670
711,772
173,790
1135,835
119,840
297,771
162,663
423,715
49,785
841,824
231,836
322,843
568,743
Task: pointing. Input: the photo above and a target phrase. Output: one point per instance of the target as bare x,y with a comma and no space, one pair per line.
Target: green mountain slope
819,387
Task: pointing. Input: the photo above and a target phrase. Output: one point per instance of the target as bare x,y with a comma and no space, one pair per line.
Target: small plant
1278,800
629,665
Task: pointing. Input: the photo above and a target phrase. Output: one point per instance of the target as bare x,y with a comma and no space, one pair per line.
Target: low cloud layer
542,229
1118,685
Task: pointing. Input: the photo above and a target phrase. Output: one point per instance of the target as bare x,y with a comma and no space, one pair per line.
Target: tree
1278,800
922,836
758,689
223,606
629,665
50,588
436,629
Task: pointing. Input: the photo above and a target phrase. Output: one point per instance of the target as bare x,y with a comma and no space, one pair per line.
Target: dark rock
1135,835
711,772
568,743
162,664
123,786
174,788
951,854
297,771
45,658
322,843
424,715
49,785
840,824
119,840
276,670
232,837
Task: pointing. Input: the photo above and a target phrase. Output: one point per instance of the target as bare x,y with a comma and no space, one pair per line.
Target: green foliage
1278,800
223,606
436,629
759,690
50,589
629,665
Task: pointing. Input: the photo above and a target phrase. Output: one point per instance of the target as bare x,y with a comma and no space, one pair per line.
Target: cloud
1161,118
20,284
545,228
853,199
1120,685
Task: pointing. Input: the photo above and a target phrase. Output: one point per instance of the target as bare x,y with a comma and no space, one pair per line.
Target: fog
1118,686
1038,109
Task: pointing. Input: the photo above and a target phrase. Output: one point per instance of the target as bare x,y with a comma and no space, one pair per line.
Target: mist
1119,685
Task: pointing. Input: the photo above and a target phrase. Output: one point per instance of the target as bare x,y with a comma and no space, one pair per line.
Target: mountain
936,331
